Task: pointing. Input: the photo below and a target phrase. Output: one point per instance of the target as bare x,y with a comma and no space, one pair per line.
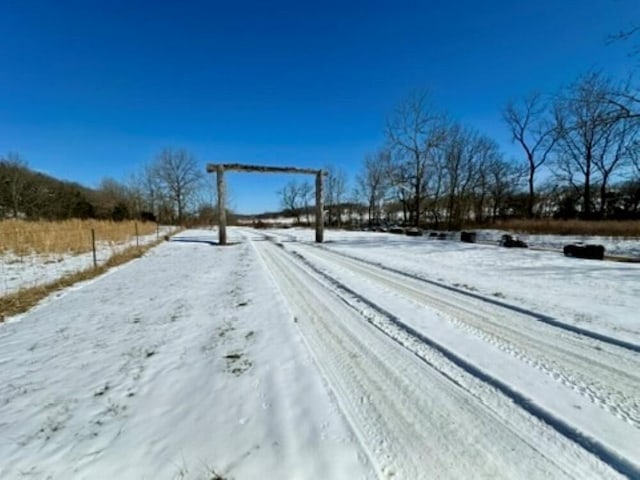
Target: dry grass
24,299
69,236
609,228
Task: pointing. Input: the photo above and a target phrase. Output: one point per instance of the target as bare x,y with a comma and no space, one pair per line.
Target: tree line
580,159
170,189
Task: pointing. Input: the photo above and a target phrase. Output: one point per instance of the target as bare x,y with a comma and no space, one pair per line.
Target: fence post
157,231
137,237
93,246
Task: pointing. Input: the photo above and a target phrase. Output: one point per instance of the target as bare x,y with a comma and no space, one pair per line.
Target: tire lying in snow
511,242
468,237
579,250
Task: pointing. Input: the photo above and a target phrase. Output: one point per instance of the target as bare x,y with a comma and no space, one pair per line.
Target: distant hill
26,193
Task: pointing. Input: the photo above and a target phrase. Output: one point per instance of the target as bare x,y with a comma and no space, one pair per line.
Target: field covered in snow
370,356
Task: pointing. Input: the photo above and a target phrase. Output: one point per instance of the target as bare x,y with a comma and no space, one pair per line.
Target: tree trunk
532,199
603,196
587,187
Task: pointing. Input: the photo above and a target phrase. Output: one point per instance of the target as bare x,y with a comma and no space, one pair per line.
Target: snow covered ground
181,363
26,271
370,356
604,296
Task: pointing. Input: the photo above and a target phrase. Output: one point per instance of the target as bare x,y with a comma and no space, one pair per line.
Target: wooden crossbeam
238,167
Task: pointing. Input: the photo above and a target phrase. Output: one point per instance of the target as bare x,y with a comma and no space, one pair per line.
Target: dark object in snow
442,236
510,241
396,229
433,234
414,232
580,250
468,237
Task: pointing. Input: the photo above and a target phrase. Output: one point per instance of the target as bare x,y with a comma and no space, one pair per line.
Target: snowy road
281,359
418,415
601,370
174,366
601,401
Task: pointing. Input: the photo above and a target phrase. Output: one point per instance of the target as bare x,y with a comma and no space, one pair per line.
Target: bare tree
373,182
179,176
400,179
436,185
617,156
489,155
307,194
532,128
155,200
413,131
461,164
334,192
504,181
292,198
634,157
586,121
134,184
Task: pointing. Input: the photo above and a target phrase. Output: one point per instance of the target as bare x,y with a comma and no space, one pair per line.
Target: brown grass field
69,236
609,228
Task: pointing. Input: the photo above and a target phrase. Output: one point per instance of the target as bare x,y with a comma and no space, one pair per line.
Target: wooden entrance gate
219,169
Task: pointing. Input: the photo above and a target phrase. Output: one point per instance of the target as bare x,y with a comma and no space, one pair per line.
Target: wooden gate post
319,208
222,214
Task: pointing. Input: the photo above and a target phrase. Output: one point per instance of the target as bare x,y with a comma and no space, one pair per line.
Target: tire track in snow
416,419
546,319
539,317
605,375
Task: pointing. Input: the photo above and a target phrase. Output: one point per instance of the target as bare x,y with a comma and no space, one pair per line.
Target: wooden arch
219,169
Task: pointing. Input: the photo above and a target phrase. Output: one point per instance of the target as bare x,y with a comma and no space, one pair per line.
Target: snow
531,380
135,375
277,358
35,269
602,296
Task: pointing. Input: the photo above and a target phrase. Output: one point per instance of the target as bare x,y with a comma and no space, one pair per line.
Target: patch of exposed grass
24,299
608,228
23,237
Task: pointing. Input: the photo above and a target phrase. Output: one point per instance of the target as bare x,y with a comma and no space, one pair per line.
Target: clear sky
90,89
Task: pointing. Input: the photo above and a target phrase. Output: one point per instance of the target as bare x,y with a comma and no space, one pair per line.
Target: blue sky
92,89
